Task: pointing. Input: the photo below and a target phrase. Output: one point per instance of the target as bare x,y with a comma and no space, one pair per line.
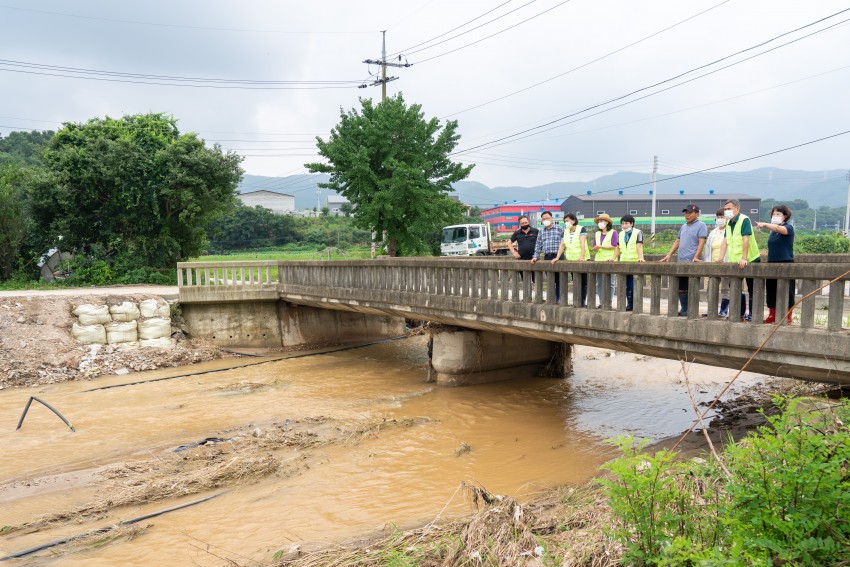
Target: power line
178,26
810,142
166,80
409,50
548,125
491,35
583,65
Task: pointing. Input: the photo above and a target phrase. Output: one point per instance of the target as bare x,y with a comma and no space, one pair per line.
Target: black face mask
524,228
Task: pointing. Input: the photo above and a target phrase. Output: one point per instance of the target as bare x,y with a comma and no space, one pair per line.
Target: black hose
48,406
106,529
277,359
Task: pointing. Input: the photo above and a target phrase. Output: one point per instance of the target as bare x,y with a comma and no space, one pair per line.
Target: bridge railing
226,274
515,281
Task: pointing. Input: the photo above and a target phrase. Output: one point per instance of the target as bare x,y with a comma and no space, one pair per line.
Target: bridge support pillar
462,357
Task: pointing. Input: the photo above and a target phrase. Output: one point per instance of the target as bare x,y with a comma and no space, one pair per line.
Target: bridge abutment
277,324
463,357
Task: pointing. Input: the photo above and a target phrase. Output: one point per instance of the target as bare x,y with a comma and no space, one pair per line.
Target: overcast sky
788,96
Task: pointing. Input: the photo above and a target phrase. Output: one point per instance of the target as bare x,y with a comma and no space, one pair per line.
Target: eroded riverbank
312,449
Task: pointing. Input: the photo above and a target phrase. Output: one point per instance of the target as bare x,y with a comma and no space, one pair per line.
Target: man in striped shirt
548,241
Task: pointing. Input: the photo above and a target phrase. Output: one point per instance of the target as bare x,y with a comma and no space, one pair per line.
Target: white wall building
280,203
335,203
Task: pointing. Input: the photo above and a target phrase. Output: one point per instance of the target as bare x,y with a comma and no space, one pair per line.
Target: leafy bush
785,499
825,243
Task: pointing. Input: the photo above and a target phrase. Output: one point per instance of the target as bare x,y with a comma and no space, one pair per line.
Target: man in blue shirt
690,243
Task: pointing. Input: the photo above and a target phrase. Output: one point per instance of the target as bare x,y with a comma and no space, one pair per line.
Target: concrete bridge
499,320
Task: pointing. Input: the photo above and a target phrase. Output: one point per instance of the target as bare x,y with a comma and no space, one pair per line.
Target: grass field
283,254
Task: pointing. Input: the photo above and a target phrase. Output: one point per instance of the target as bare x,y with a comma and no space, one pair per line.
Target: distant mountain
817,187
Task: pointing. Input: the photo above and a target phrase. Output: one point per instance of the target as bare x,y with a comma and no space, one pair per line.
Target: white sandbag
89,334
154,328
92,314
127,311
125,332
132,345
152,308
164,342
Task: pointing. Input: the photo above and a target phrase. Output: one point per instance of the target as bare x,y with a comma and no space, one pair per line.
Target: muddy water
514,438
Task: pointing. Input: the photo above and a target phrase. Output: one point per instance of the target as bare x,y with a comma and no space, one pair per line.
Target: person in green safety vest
605,242
740,246
630,249
575,248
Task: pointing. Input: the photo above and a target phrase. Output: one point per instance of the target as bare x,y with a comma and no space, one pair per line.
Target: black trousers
770,289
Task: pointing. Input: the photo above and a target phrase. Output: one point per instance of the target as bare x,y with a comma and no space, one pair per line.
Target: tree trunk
392,247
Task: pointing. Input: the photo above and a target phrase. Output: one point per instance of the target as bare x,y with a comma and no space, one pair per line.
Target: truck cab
465,240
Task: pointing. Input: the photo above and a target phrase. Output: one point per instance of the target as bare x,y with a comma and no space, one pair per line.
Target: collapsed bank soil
36,346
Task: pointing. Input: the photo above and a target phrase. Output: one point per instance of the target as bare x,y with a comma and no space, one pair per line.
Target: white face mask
547,222
721,222
728,213
568,225
602,225
777,219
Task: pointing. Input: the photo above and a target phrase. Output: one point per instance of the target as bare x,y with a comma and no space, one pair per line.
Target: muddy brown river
316,449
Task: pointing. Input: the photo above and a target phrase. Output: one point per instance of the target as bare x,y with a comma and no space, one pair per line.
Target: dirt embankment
36,346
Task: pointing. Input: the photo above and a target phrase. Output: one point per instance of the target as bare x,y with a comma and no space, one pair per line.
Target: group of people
731,240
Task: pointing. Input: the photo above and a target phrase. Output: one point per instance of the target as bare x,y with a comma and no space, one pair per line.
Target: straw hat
603,216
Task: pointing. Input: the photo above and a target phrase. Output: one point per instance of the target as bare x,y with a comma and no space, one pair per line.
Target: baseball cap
691,209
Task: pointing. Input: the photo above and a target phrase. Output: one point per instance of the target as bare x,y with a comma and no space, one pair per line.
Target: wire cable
178,26
583,65
549,125
489,36
409,50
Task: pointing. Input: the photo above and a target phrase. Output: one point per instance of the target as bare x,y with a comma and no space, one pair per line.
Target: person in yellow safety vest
605,245
740,246
575,248
630,250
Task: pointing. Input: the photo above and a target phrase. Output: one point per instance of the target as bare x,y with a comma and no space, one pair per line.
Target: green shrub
825,243
786,499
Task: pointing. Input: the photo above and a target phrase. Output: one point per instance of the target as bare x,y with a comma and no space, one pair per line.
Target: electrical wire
166,80
410,50
489,36
591,62
178,26
810,142
549,125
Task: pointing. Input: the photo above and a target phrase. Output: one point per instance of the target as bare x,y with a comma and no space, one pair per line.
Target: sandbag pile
127,325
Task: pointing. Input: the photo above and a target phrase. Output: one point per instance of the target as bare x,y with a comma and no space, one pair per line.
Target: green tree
13,218
24,148
346,209
251,227
394,168
133,186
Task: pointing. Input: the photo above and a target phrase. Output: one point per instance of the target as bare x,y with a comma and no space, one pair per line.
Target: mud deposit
308,451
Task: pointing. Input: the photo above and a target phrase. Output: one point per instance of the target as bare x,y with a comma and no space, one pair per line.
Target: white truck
471,240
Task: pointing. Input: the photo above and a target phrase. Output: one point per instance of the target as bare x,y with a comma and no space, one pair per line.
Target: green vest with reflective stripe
603,255
572,245
628,250
735,242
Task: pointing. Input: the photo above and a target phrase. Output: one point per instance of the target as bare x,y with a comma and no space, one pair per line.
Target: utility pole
847,212
384,64
318,201
815,222
654,173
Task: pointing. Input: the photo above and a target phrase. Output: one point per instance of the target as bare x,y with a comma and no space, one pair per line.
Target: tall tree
394,168
13,217
24,148
133,186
